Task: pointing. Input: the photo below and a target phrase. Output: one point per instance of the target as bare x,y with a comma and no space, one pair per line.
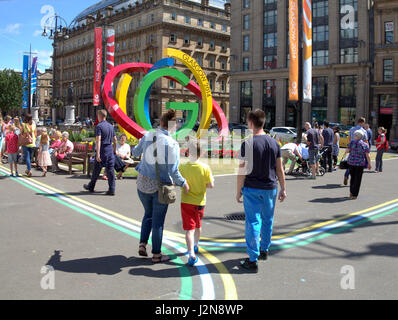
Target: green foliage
11,85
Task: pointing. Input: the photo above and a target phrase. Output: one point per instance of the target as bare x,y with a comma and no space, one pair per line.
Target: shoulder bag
166,193
25,138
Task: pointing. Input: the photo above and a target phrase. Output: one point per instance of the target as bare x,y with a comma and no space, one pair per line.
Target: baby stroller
303,167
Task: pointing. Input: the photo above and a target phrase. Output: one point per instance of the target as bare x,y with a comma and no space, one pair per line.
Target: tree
11,90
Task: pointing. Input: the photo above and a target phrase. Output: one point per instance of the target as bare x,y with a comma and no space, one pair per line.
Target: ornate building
44,93
143,29
385,76
260,60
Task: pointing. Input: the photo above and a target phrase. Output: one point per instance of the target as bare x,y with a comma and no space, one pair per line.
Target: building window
270,40
320,58
348,26
186,40
211,63
212,45
389,32
320,9
200,42
200,22
212,25
188,19
172,84
211,83
270,62
223,65
223,46
173,16
224,28
223,87
347,99
387,70
321,33
269,102
270,17
246,22
173,38
349,55
199,60
246,4
246,64
246,94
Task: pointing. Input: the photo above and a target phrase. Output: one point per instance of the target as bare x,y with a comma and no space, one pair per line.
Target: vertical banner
33,82
25,78
110,49
293,50
97,66
307,36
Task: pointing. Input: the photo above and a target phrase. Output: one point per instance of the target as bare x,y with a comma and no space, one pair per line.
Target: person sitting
289,152
123,151
65,148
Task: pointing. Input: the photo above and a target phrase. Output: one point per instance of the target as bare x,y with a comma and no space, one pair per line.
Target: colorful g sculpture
117,106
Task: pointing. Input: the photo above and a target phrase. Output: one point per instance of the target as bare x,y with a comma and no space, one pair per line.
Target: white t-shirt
290,146
123,150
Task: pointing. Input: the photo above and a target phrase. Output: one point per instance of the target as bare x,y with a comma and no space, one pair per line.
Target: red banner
110,49
97,67
293,50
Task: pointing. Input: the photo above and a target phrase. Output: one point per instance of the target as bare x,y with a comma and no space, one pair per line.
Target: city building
385,77
143,29
260,60
44,93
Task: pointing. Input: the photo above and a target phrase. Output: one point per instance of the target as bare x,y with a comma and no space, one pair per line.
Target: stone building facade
44,93
260,59
385,78
143,29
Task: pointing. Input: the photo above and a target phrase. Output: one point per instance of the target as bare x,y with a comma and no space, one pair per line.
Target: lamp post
56,33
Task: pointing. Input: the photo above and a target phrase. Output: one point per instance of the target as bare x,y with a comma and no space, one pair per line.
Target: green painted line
185,275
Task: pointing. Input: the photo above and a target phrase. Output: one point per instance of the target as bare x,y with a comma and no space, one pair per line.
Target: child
44,158
12,150
199,177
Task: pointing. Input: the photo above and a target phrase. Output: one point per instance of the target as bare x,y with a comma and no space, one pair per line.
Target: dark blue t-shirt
328,134
106,131
260,154
313,139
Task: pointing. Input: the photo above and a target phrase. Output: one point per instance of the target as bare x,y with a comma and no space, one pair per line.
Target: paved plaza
91,242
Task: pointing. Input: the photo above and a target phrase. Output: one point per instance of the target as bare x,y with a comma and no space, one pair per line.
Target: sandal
142,251
160,258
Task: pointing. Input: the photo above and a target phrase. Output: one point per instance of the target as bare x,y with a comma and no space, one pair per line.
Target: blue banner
33,82
25,77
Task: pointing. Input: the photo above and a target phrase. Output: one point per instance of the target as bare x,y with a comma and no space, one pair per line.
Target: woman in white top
123,151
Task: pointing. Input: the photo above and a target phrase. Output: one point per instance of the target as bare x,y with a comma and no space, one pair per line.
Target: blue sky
21,24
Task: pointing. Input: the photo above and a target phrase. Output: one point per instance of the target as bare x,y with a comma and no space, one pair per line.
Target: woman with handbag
27,139
157,173
381,148
358,159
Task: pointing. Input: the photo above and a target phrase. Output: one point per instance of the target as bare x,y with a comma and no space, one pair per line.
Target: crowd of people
261,170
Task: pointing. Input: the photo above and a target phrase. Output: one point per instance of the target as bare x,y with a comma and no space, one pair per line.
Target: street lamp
56,33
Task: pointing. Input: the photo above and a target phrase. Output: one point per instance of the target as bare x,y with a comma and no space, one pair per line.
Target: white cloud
37,33
12,29
44,58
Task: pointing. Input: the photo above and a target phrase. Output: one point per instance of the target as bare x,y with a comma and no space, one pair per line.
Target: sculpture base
69,115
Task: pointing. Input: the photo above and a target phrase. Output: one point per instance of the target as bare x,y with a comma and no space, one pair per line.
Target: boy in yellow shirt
199,178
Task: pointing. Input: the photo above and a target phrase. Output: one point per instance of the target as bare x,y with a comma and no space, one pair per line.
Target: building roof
117,4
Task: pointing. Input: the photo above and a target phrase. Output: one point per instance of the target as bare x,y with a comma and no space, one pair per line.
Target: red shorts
191,216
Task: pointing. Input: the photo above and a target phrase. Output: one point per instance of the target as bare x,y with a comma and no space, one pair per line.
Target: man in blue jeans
259,171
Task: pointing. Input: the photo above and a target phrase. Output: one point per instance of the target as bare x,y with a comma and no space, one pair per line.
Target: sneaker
12,175
248,265
17,174
263,255
110,193
192,261
86,187
196,249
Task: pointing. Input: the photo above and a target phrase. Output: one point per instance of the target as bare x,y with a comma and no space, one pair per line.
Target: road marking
207,283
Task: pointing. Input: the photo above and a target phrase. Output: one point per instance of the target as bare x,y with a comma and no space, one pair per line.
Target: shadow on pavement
330,186
330,200
109,265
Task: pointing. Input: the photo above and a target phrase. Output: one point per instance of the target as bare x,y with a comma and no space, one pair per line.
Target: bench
92,159
80,155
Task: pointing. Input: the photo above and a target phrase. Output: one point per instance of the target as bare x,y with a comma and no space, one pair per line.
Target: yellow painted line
228,282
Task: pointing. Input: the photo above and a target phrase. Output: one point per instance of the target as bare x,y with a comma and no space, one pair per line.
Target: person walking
168,158
369,134
12,150
260,169
105,148
381,148
358,159
336,146
360,126
43,157
289,152
314,144
29,134
328,136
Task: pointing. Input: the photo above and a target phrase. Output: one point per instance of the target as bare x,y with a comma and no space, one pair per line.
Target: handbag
25,138
166,192
344,164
